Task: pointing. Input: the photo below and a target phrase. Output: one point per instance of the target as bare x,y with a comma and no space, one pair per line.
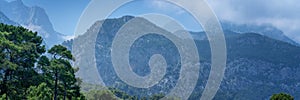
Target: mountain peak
263,29
32,17
127,18
19,2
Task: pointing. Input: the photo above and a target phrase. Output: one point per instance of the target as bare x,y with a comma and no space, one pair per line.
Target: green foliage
100,95
157,97
26,74
115,94
20,49
282,96
86,87
41,92
122,95
3,96
61,73
61,52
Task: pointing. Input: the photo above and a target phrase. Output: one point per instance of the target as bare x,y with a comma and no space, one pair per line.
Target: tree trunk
65,91
5,87
55,86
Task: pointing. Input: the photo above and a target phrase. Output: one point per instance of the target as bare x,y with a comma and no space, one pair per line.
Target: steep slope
257,66
103,44
33,18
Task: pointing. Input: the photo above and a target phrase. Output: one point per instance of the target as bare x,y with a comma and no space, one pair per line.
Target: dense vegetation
27,73
282,96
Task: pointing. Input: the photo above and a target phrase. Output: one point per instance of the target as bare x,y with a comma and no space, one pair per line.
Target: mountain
33,18
263,29
202,35
257,65
102,44
5,20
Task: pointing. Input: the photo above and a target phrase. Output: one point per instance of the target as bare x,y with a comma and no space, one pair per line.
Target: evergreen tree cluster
282,96
28,71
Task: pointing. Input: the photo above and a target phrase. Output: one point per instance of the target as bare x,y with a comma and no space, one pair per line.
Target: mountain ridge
33,18
254,60
263,29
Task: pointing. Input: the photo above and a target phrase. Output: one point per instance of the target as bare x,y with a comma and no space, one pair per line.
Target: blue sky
284,15
63,14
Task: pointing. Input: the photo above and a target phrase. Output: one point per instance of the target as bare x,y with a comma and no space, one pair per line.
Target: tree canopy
282,96
25,71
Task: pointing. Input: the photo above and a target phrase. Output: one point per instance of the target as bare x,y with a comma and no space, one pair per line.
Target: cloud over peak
281,14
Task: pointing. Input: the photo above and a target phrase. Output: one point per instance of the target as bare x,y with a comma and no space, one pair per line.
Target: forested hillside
253,60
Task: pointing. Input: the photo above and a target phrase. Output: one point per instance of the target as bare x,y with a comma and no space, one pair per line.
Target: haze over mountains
36,19
263,29
261,59
258,65
33,18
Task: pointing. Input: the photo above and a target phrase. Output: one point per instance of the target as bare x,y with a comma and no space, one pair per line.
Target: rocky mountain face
33,18
257,65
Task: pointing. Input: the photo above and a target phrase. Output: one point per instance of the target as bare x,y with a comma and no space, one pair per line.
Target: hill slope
257,66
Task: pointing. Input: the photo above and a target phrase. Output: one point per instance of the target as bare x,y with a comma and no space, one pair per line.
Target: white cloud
36,28
289,26
282,14
68,37
166,6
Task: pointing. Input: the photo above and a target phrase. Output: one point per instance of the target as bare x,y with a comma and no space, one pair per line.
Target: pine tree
65,82
20,49
282,96
40,92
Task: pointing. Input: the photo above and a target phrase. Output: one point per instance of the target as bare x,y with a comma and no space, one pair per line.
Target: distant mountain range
263,29
33,18
258,64
36,19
